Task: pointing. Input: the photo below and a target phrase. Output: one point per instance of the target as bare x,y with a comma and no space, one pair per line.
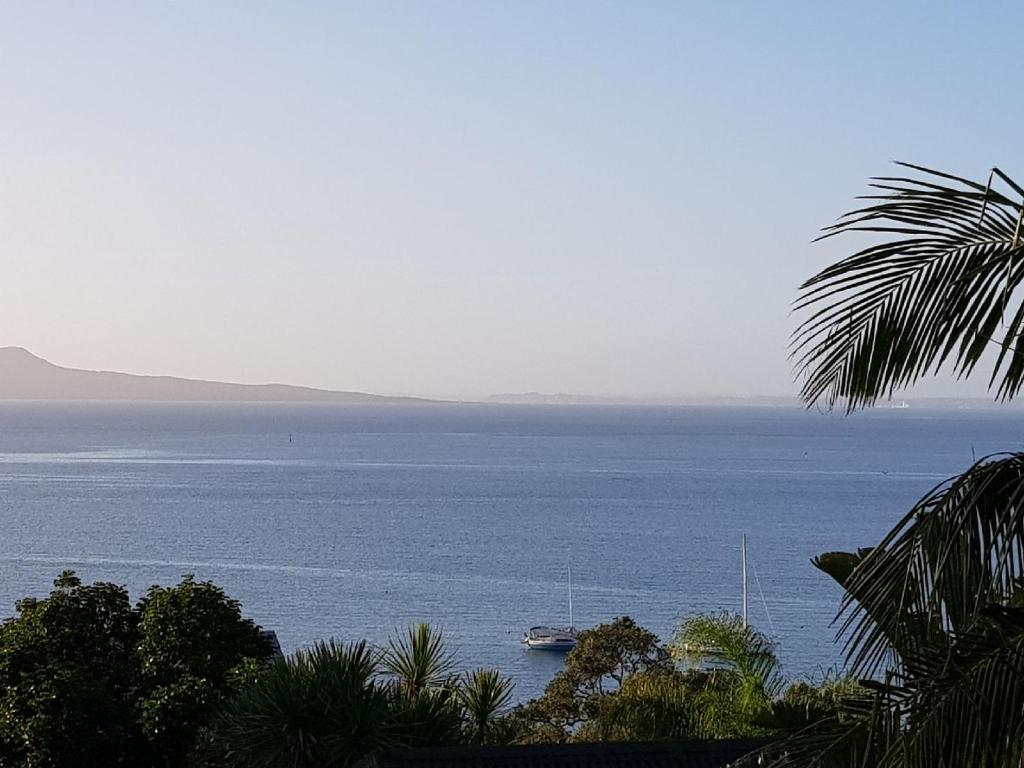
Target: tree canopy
88,679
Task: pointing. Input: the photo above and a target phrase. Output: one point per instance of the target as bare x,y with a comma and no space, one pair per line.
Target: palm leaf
961,707
419,660
733,649
484,694
318,707
960,549
964,707
938,290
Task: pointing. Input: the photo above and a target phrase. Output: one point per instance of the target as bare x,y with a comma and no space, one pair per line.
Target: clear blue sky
464,197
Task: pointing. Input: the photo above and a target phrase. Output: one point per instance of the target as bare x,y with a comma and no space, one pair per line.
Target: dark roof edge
730,749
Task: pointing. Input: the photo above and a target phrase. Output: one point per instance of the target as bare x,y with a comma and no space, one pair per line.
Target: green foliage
331,705
932,617
608,654
320,707
935,631
170,716
743,676
419,661
648,707
191,637
678,706
86,680
429,718
194,629
66,678
742,659
620,684
805,704
603,662
484,694
938,289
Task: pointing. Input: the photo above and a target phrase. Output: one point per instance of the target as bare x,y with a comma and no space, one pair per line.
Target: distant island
565,398
24,376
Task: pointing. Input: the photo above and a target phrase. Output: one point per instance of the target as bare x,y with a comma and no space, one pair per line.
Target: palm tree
420,660
484,694
333,704
321,707
736,654
433,704
932,616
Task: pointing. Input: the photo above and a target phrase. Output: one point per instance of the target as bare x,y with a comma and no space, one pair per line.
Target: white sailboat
544,638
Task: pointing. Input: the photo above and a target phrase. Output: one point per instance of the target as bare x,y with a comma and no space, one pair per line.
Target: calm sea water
370,518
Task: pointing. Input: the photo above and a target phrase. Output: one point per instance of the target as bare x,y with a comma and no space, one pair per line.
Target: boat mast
744,551
571,624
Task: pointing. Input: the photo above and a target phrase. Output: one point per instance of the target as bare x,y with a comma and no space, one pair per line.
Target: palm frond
484,694
429,717
961,707
733,648
960,549
939,289
840,565
318,707
964,707
419,660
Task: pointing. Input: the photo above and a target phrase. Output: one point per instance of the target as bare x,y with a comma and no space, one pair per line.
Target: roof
661,754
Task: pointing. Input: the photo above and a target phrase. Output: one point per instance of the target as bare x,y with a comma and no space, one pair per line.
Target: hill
24,376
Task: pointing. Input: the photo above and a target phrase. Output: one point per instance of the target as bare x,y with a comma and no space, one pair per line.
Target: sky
465,198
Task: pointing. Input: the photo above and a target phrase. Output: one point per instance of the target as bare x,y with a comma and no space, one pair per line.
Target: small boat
544,638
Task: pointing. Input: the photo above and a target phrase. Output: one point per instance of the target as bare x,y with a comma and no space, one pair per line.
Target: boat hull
540,645
550,639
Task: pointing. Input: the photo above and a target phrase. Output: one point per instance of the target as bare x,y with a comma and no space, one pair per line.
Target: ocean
355,521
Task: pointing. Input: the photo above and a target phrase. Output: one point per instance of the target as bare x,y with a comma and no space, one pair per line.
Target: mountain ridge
25,376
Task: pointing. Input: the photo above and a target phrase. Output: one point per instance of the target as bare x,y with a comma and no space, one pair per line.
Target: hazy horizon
26,376
459,199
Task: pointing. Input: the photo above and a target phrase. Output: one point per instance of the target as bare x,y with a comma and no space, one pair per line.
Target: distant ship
900,405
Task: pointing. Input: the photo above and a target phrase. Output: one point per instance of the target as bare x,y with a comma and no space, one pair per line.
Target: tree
321,707
932,616
191,636
333,704
419,661
804,704
742,661
608,654
67,669
621,684
484,695
194,629
424,691
86,679
604,658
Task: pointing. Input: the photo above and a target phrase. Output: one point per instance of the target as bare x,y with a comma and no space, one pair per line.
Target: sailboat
746,591
709,652
543,638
